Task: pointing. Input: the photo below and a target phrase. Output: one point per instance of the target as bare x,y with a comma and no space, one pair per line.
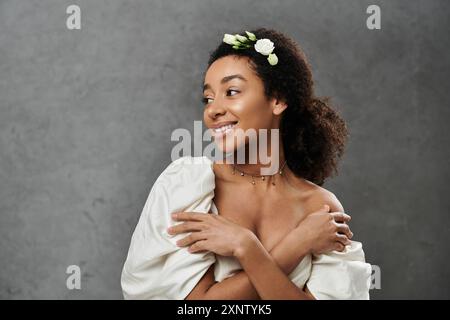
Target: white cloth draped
156,268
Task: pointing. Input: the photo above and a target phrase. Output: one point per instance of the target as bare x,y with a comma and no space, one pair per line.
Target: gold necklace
263,177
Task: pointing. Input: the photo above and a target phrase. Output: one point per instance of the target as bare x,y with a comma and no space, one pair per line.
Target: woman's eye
205,100
232,90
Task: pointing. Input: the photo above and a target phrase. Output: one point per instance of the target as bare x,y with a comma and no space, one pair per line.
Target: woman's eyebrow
226,79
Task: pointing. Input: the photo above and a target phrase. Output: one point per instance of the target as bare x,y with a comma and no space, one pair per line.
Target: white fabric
156,268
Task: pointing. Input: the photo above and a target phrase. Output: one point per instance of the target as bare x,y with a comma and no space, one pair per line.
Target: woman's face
234,99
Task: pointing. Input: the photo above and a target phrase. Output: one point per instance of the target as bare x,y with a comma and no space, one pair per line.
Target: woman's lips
222,131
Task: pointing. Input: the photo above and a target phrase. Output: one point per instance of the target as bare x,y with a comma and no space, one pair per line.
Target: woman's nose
215,110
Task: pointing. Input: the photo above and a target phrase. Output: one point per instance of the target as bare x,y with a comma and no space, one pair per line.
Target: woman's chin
226,145
222,147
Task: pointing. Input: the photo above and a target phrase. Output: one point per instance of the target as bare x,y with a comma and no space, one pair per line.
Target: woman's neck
270,163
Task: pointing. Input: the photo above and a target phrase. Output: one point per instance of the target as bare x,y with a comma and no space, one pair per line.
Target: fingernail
169,230
174,215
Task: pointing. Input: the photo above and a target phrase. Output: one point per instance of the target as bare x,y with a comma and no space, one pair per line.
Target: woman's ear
278,106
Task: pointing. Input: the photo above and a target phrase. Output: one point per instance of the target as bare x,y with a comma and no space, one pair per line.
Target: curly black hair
312,132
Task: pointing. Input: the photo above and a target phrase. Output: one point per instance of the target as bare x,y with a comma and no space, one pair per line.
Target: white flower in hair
230,39
264,46
241,38
251,36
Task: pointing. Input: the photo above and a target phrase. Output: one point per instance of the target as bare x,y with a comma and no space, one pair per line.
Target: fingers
185,227
190,239
198,246
341,217
345,229
341,238
339,247
192,216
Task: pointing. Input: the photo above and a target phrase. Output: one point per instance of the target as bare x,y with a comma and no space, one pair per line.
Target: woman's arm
239,287
269,280
287,254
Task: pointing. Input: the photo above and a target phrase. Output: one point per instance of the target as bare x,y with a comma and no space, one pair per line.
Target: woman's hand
325,231
210,232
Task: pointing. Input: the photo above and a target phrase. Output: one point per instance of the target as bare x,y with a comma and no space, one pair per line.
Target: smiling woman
207,233
242,94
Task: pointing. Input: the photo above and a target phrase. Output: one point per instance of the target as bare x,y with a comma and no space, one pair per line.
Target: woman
278,236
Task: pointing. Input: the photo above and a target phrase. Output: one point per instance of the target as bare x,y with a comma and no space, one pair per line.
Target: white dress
156,268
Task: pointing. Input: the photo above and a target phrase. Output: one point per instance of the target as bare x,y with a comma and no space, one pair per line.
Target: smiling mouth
224,129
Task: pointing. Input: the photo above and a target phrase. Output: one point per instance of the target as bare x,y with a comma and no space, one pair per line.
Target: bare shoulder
319,196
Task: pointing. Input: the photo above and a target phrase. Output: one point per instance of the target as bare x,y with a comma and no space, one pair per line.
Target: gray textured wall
86,117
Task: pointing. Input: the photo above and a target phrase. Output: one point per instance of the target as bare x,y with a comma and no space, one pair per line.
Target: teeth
224,128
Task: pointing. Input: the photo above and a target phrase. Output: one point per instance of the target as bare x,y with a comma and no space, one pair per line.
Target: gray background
86,118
